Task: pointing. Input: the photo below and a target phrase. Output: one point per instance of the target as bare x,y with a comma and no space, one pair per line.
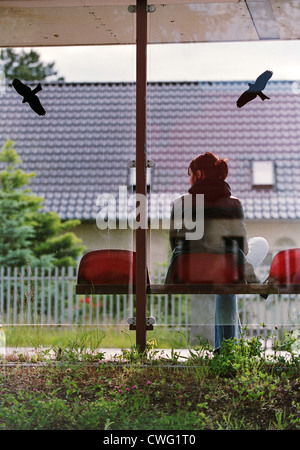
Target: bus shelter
38,23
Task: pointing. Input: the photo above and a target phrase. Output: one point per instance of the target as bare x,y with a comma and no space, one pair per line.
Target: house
82,150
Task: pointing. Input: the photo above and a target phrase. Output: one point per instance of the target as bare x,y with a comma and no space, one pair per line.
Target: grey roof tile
81,147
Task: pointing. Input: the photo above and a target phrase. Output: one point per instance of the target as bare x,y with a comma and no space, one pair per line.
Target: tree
26,66
27,234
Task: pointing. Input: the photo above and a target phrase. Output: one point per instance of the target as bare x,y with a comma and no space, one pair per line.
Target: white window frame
263,173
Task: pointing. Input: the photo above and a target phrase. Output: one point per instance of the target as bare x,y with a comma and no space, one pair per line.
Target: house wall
95,239
280,234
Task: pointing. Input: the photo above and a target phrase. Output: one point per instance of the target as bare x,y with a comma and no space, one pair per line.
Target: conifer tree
28,235
26,66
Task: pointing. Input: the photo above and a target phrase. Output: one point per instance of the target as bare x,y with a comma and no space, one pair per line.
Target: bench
113,272
161,289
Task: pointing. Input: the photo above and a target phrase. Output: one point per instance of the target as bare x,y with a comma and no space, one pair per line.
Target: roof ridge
154,83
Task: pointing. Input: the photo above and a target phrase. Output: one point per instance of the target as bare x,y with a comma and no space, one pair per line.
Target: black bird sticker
255,89
29,96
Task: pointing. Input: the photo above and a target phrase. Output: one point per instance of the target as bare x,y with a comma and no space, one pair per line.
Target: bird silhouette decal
29,96
255,89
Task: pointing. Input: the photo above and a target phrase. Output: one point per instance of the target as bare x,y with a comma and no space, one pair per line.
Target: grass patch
117,336
238,389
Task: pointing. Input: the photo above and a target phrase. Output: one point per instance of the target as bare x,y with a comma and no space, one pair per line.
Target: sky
178,62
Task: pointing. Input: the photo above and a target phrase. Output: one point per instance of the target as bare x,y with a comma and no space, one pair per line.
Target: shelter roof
93,22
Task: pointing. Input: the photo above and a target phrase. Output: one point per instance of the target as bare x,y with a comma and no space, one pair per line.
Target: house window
132,178
263,173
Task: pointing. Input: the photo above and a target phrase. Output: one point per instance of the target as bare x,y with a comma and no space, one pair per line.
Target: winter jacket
224,226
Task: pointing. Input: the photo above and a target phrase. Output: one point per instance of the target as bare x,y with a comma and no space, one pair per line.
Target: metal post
141,182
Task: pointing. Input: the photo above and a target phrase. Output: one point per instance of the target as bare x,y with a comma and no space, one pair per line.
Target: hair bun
212,166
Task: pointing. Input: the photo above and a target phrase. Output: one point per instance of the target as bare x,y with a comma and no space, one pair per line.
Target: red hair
211,166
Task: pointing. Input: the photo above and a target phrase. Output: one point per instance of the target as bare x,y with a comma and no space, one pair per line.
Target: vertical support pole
141,182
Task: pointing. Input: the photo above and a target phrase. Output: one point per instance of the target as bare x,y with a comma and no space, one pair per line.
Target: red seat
285,267
206,268
107,267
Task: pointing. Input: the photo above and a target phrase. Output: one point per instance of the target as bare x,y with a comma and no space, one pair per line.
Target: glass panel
192,109
30,25
74,159
202,22
213,21
82,149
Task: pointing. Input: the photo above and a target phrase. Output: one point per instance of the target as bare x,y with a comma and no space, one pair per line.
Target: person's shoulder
235,202
235,199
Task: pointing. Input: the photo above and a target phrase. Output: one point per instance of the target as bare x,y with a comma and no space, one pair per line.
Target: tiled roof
80,149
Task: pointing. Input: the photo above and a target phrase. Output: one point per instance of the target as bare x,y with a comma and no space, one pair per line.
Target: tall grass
238,389
118,336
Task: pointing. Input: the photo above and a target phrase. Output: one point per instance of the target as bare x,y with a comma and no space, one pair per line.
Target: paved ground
111,354
108,353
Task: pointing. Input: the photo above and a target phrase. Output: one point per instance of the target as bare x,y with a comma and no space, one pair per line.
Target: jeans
227,321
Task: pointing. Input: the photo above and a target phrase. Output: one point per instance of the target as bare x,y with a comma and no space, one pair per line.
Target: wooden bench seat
168,289
116,268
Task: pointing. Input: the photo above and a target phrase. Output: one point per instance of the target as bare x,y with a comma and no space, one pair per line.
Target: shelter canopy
93,22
